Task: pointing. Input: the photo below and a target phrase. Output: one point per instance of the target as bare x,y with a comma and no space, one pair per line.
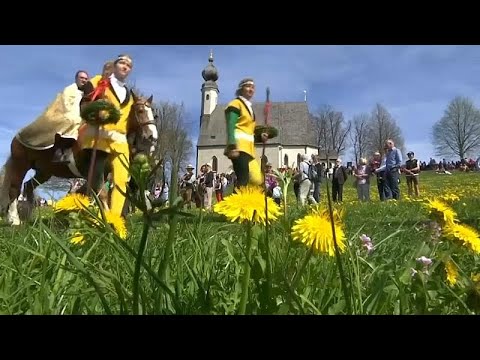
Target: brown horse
141,123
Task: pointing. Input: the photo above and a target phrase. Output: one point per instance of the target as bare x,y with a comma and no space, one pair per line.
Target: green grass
42,273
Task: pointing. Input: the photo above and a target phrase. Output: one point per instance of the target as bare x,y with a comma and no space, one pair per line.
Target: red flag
100,89
267,109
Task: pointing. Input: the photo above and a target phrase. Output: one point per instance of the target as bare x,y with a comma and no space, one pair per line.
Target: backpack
414,164
277,192
312,173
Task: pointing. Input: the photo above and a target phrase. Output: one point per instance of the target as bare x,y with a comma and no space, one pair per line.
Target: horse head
143,125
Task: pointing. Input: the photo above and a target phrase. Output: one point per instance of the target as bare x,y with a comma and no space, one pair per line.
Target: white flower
424,260
367,243
369,246
365,239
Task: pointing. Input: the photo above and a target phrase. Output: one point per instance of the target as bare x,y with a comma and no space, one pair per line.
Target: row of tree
456,134
364,134
174,144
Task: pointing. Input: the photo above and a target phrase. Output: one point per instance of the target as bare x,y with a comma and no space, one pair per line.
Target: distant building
296,133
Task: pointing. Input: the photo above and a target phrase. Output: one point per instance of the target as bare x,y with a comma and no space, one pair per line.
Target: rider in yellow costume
112,145
241,123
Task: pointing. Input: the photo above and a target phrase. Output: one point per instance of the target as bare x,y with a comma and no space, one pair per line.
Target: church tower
209,88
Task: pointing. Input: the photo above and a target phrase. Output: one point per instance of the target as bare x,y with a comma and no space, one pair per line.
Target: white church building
296,133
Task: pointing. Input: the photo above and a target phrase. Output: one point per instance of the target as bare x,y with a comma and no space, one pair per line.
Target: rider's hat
245,82
124,57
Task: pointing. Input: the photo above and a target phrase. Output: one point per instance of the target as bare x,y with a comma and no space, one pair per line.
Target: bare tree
458,131
382,126
359,135
331,130
174,145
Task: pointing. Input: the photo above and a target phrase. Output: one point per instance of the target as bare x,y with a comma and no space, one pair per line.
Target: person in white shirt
61,118
305,183
362,179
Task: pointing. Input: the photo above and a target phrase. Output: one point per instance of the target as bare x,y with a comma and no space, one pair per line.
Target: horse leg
5,180
103,197
18,168
29,187
13,218
98,176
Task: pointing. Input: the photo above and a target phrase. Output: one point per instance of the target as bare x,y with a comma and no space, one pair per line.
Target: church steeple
209,88
210,72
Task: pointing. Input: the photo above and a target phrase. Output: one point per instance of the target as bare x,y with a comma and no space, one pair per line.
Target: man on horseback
111,146
65,140
61,117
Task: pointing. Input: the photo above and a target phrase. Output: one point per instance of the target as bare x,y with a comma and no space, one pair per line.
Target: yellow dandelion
464,233
315,228
338,214
452,272
441,210
248,204
450,197
78,238
476,278
72,202
118,224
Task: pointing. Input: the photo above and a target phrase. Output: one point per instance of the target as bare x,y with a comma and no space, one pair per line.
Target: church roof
292,120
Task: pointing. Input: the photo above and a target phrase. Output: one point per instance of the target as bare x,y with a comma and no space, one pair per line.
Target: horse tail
5,182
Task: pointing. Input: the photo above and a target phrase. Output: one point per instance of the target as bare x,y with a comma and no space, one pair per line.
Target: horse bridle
144,104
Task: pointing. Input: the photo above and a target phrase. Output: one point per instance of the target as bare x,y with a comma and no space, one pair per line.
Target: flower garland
100,112
267,129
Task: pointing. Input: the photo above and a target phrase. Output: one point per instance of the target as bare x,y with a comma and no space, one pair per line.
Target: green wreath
100,112
267,129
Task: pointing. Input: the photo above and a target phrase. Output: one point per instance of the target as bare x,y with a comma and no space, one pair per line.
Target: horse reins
149,122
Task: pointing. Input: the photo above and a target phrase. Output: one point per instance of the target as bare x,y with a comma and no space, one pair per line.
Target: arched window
214,164
285,160
299,160
207,97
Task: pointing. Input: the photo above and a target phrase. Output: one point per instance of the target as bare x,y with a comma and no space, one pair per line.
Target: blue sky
415,83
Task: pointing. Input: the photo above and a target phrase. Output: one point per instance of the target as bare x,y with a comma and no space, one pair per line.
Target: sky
414,83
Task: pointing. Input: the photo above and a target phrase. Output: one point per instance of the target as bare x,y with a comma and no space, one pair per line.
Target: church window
285,160
207,97
214,164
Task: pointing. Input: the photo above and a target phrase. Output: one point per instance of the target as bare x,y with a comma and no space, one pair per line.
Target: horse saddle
61,144
64,142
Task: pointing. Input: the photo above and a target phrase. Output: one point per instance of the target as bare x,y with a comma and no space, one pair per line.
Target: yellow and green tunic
112,137
112,140
240,133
